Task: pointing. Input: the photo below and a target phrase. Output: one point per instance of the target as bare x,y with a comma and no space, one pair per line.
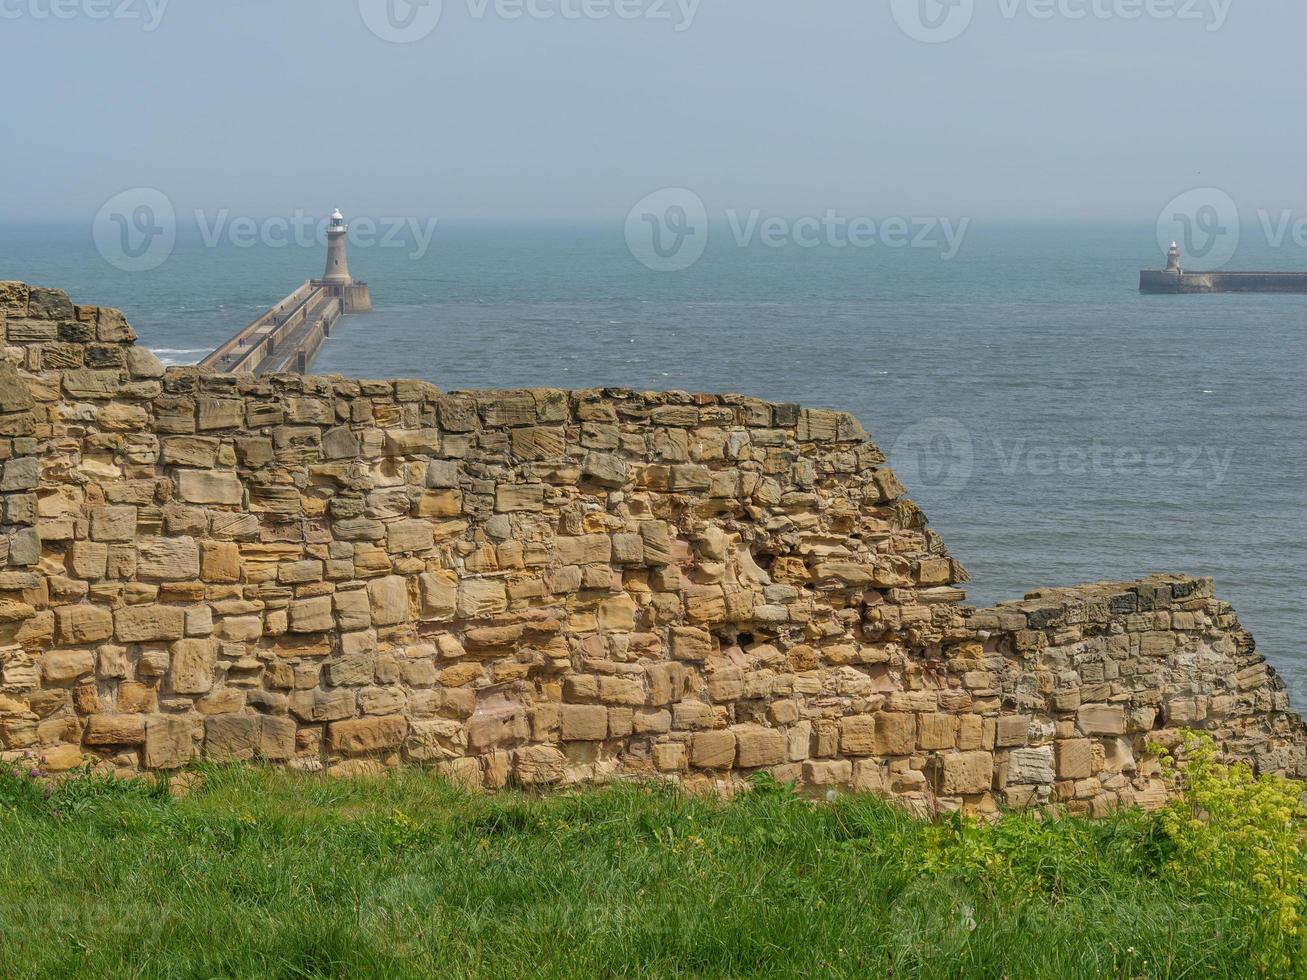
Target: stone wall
545,588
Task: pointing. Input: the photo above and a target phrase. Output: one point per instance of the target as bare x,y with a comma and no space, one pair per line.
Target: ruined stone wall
545,588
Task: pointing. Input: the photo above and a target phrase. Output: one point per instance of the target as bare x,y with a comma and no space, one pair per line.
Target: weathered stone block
314,615
209,487
1075,758
192,667
539,765
1031,766
966,773
66,666
407,536
1101,719
516,497
367,735
713,750
758,746
115,730
389,599
481,597
584,722
168,742
84,623
220,561
113,523
168,559
144,624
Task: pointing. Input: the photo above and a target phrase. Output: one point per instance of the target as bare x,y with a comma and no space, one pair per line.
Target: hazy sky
1039,108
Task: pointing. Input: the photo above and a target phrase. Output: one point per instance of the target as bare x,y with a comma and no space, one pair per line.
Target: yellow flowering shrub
1238,837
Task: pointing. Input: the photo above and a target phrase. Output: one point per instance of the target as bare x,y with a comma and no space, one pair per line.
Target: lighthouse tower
337,264
1173,258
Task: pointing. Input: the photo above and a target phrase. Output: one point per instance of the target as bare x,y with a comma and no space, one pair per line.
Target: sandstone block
1031,766
437,739
585,549
1101,719
192,667
389,599
606,470
514,498
145,624
713,750
66,666
209,487
168,742
62,758
759,746
936,732
115,730
14,393
353,610
367,735
439,591
1012,731
834,772
688,643
481,597
231,738
584,722
84,623
168,559
220,561
669,757
896,733
408,536
1075,758
113,523
440,503
539,765
966,773
313,615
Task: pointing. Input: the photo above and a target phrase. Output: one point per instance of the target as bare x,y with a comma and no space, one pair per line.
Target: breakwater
544,588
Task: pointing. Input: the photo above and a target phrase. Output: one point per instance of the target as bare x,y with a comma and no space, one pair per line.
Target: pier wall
544,588
1161,281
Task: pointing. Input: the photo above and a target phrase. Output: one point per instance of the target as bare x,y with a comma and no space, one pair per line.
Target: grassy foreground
260,873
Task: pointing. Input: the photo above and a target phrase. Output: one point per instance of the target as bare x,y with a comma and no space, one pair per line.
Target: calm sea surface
1056,426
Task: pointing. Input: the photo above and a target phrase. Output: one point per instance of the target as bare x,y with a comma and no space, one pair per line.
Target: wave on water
178,356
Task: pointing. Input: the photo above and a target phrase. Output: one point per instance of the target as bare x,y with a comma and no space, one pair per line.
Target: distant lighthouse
337,263
1172,258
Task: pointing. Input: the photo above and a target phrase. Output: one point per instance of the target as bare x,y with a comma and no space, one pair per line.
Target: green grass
267,874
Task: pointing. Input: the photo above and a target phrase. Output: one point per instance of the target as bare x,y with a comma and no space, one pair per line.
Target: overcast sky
497,110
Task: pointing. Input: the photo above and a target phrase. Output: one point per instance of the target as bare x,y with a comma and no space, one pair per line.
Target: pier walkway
286,337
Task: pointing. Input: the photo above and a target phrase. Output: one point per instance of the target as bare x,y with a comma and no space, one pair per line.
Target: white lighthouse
1173,258
337,263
